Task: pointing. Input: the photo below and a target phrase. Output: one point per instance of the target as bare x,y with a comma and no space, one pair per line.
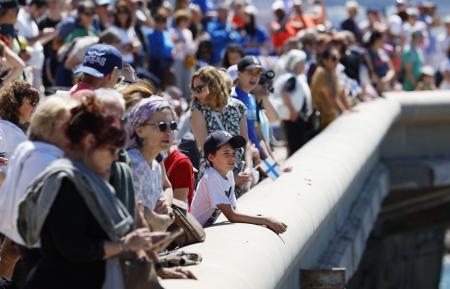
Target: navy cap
218,138
249,62
100,60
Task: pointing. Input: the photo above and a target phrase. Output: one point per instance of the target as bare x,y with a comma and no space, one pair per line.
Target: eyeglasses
87,13
123,11
163,126
198,88
334,58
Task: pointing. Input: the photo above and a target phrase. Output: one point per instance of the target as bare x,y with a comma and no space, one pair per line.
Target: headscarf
141,112
294,57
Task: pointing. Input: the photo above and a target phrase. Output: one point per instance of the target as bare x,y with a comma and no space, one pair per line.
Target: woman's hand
3,161
140,239
163,207
275,225
175,273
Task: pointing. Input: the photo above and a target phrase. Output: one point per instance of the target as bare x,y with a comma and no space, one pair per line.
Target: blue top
252,43
249,100
161,44
205,5
221,35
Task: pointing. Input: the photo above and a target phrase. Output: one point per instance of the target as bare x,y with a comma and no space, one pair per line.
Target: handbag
193,230
190,61
138,271
313,122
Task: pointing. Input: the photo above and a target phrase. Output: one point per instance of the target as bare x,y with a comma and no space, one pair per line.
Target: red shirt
180,172
80,89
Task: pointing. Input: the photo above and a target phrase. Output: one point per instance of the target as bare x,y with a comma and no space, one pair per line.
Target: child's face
224,159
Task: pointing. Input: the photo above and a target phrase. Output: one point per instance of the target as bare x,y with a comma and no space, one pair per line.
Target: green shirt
414,56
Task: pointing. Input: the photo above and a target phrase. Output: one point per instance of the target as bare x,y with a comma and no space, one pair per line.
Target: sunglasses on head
198,88
163,126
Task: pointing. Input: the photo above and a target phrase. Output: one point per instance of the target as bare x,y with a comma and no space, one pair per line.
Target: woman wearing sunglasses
213,109
328,95
150,125
17,103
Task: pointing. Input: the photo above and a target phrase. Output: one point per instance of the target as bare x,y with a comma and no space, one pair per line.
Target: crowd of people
112,111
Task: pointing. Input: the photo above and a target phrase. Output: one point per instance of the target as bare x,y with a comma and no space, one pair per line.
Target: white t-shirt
126,38
10,137
212,190
28,28
27,162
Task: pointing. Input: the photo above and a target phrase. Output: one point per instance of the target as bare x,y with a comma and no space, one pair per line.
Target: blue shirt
221,35
251,43
161,44
249,100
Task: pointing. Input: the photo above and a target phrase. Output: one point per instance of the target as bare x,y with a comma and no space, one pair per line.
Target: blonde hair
217,85
44,119
137,91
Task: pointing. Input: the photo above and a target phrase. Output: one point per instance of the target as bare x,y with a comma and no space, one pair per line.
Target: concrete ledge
422,131
314,200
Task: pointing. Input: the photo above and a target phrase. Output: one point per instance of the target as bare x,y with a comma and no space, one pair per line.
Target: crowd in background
112,111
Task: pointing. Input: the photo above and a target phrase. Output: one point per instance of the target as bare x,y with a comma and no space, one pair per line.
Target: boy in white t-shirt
215,191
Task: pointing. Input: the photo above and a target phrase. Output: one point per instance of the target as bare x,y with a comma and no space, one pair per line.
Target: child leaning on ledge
215,191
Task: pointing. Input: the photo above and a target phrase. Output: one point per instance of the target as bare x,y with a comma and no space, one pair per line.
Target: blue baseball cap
100,60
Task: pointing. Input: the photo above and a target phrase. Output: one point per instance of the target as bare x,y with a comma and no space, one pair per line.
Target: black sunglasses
163,126
334,58
198,88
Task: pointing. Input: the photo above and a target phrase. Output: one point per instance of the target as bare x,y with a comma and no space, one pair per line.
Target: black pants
296,134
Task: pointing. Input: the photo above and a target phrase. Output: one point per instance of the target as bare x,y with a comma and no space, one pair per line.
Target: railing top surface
248,256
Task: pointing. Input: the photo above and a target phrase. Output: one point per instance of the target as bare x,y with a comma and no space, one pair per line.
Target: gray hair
110,96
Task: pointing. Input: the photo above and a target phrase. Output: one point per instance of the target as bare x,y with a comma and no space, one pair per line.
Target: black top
71,246
349,24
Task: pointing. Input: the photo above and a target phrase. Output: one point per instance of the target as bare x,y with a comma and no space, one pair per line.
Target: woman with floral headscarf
151,123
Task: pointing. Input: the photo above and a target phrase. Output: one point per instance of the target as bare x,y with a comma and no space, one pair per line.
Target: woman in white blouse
17,103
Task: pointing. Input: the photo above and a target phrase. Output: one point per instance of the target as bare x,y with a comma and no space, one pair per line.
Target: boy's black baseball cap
249,62
218,138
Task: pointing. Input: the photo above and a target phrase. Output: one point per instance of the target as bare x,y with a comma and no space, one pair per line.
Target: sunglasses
199,88
161,20
163,126
123,11
88,13
334,58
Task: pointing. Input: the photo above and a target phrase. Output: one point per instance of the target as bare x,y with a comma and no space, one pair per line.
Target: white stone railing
329,201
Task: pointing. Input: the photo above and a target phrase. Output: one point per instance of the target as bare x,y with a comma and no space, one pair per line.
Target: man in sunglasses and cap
100,69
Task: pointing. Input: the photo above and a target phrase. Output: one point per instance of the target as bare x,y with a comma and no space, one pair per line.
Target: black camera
266,78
